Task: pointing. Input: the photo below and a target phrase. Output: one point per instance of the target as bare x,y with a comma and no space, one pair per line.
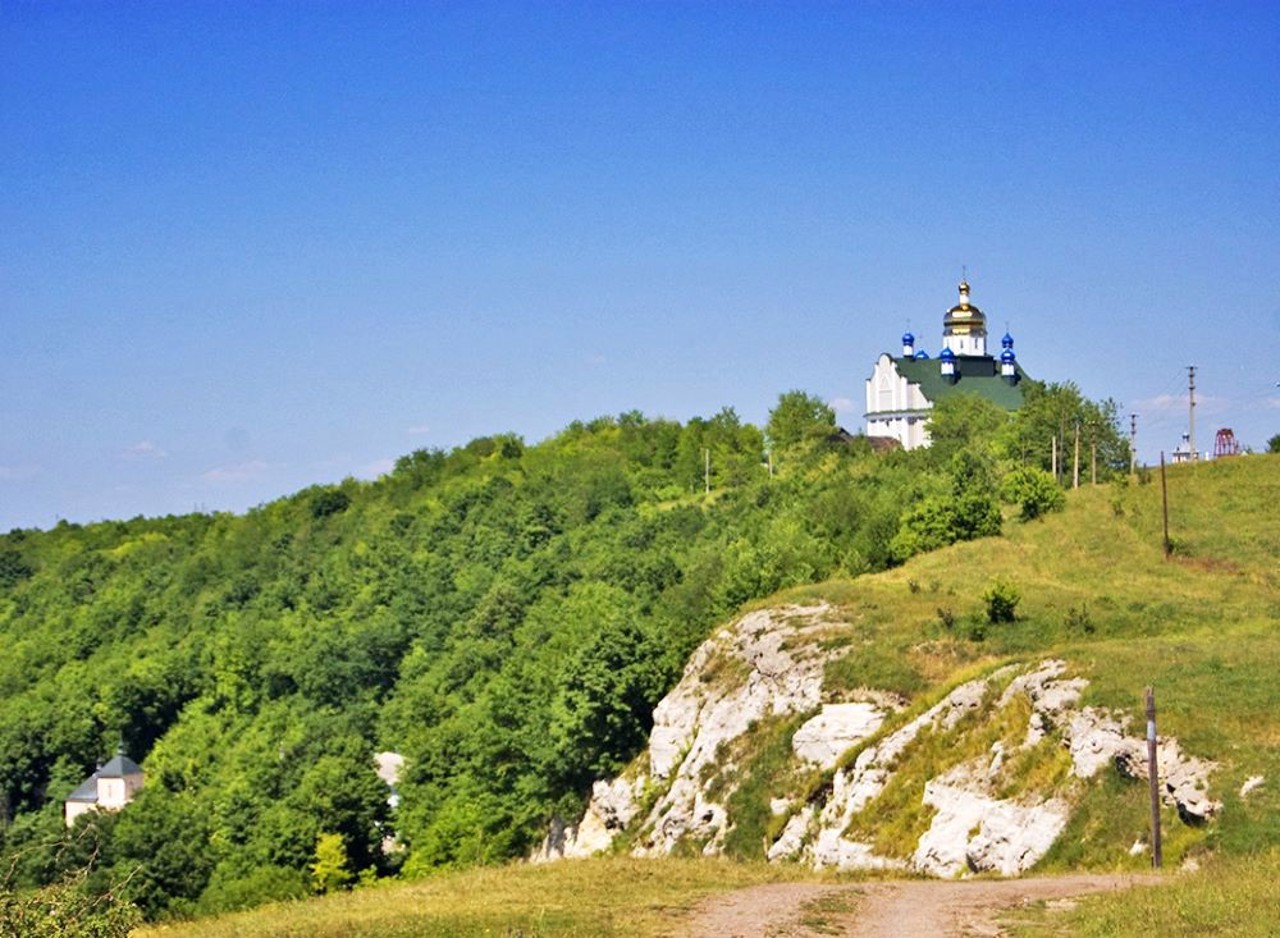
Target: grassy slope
1096,590
1200,629
592,899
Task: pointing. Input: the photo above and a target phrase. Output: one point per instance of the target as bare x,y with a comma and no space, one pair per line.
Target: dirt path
906,909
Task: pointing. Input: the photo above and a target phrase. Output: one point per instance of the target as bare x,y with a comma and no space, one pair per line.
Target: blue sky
249,247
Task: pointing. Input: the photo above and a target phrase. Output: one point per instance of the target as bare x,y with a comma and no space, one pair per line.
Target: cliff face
982,780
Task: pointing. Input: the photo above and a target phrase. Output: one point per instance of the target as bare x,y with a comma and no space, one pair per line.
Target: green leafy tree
66,909
798,417
329,870
603,712
1273,444
160,844
1002,600
964,423
1056,411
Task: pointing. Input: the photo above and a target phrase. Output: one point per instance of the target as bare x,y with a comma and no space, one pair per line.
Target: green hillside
1095,589
1202,628
506,615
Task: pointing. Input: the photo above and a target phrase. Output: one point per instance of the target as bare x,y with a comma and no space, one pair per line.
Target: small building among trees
109,788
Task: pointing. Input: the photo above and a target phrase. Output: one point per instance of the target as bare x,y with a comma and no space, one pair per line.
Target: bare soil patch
899,909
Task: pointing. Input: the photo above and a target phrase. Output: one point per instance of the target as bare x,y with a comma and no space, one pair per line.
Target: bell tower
964,328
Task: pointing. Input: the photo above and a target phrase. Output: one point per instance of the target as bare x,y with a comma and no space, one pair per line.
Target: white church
902,389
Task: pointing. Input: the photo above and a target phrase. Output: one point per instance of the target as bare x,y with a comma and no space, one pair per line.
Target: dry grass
602,897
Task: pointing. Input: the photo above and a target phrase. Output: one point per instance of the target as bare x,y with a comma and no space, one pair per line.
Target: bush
1079,619
1034,491
1002,602
66,910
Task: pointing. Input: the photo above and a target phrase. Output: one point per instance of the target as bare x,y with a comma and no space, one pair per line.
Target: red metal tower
1224,444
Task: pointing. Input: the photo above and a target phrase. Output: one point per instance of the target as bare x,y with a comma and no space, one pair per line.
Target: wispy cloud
843,405
595,359
1177,404
379,467
236,472
1160,404
143,450
18,473
418,429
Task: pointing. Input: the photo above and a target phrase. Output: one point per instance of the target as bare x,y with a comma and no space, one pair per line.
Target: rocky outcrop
765,665
612,807
770,664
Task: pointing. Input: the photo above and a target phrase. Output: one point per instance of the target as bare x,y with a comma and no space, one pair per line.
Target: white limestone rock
974,832
854,787
1184,780
791,840
1093,739
612,807
781,673
825,738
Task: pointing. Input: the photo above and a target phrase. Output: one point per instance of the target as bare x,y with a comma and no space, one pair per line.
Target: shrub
1002,602
1080,619
66,910
1034,491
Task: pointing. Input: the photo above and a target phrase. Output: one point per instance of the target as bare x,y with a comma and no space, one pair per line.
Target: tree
1273,444
964,422
160,844
329,870
798,417
1057,410
66,909
603,712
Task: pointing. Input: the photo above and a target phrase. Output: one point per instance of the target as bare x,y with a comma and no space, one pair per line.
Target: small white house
110,788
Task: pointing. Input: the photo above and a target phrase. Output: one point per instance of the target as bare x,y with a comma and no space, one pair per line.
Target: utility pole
1075,465
1133,443
1153,773
1191,412
1164,501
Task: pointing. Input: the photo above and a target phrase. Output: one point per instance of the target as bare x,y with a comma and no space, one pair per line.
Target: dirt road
905,909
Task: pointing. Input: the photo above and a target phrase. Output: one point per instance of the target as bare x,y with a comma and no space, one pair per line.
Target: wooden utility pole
1164,501
1075,465
1153,772
1133,443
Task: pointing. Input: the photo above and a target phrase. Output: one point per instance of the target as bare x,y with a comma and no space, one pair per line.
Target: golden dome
964,317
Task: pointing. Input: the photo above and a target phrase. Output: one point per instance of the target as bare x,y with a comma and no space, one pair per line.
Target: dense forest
503,615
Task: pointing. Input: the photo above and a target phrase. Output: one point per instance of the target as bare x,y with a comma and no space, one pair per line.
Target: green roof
978,375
